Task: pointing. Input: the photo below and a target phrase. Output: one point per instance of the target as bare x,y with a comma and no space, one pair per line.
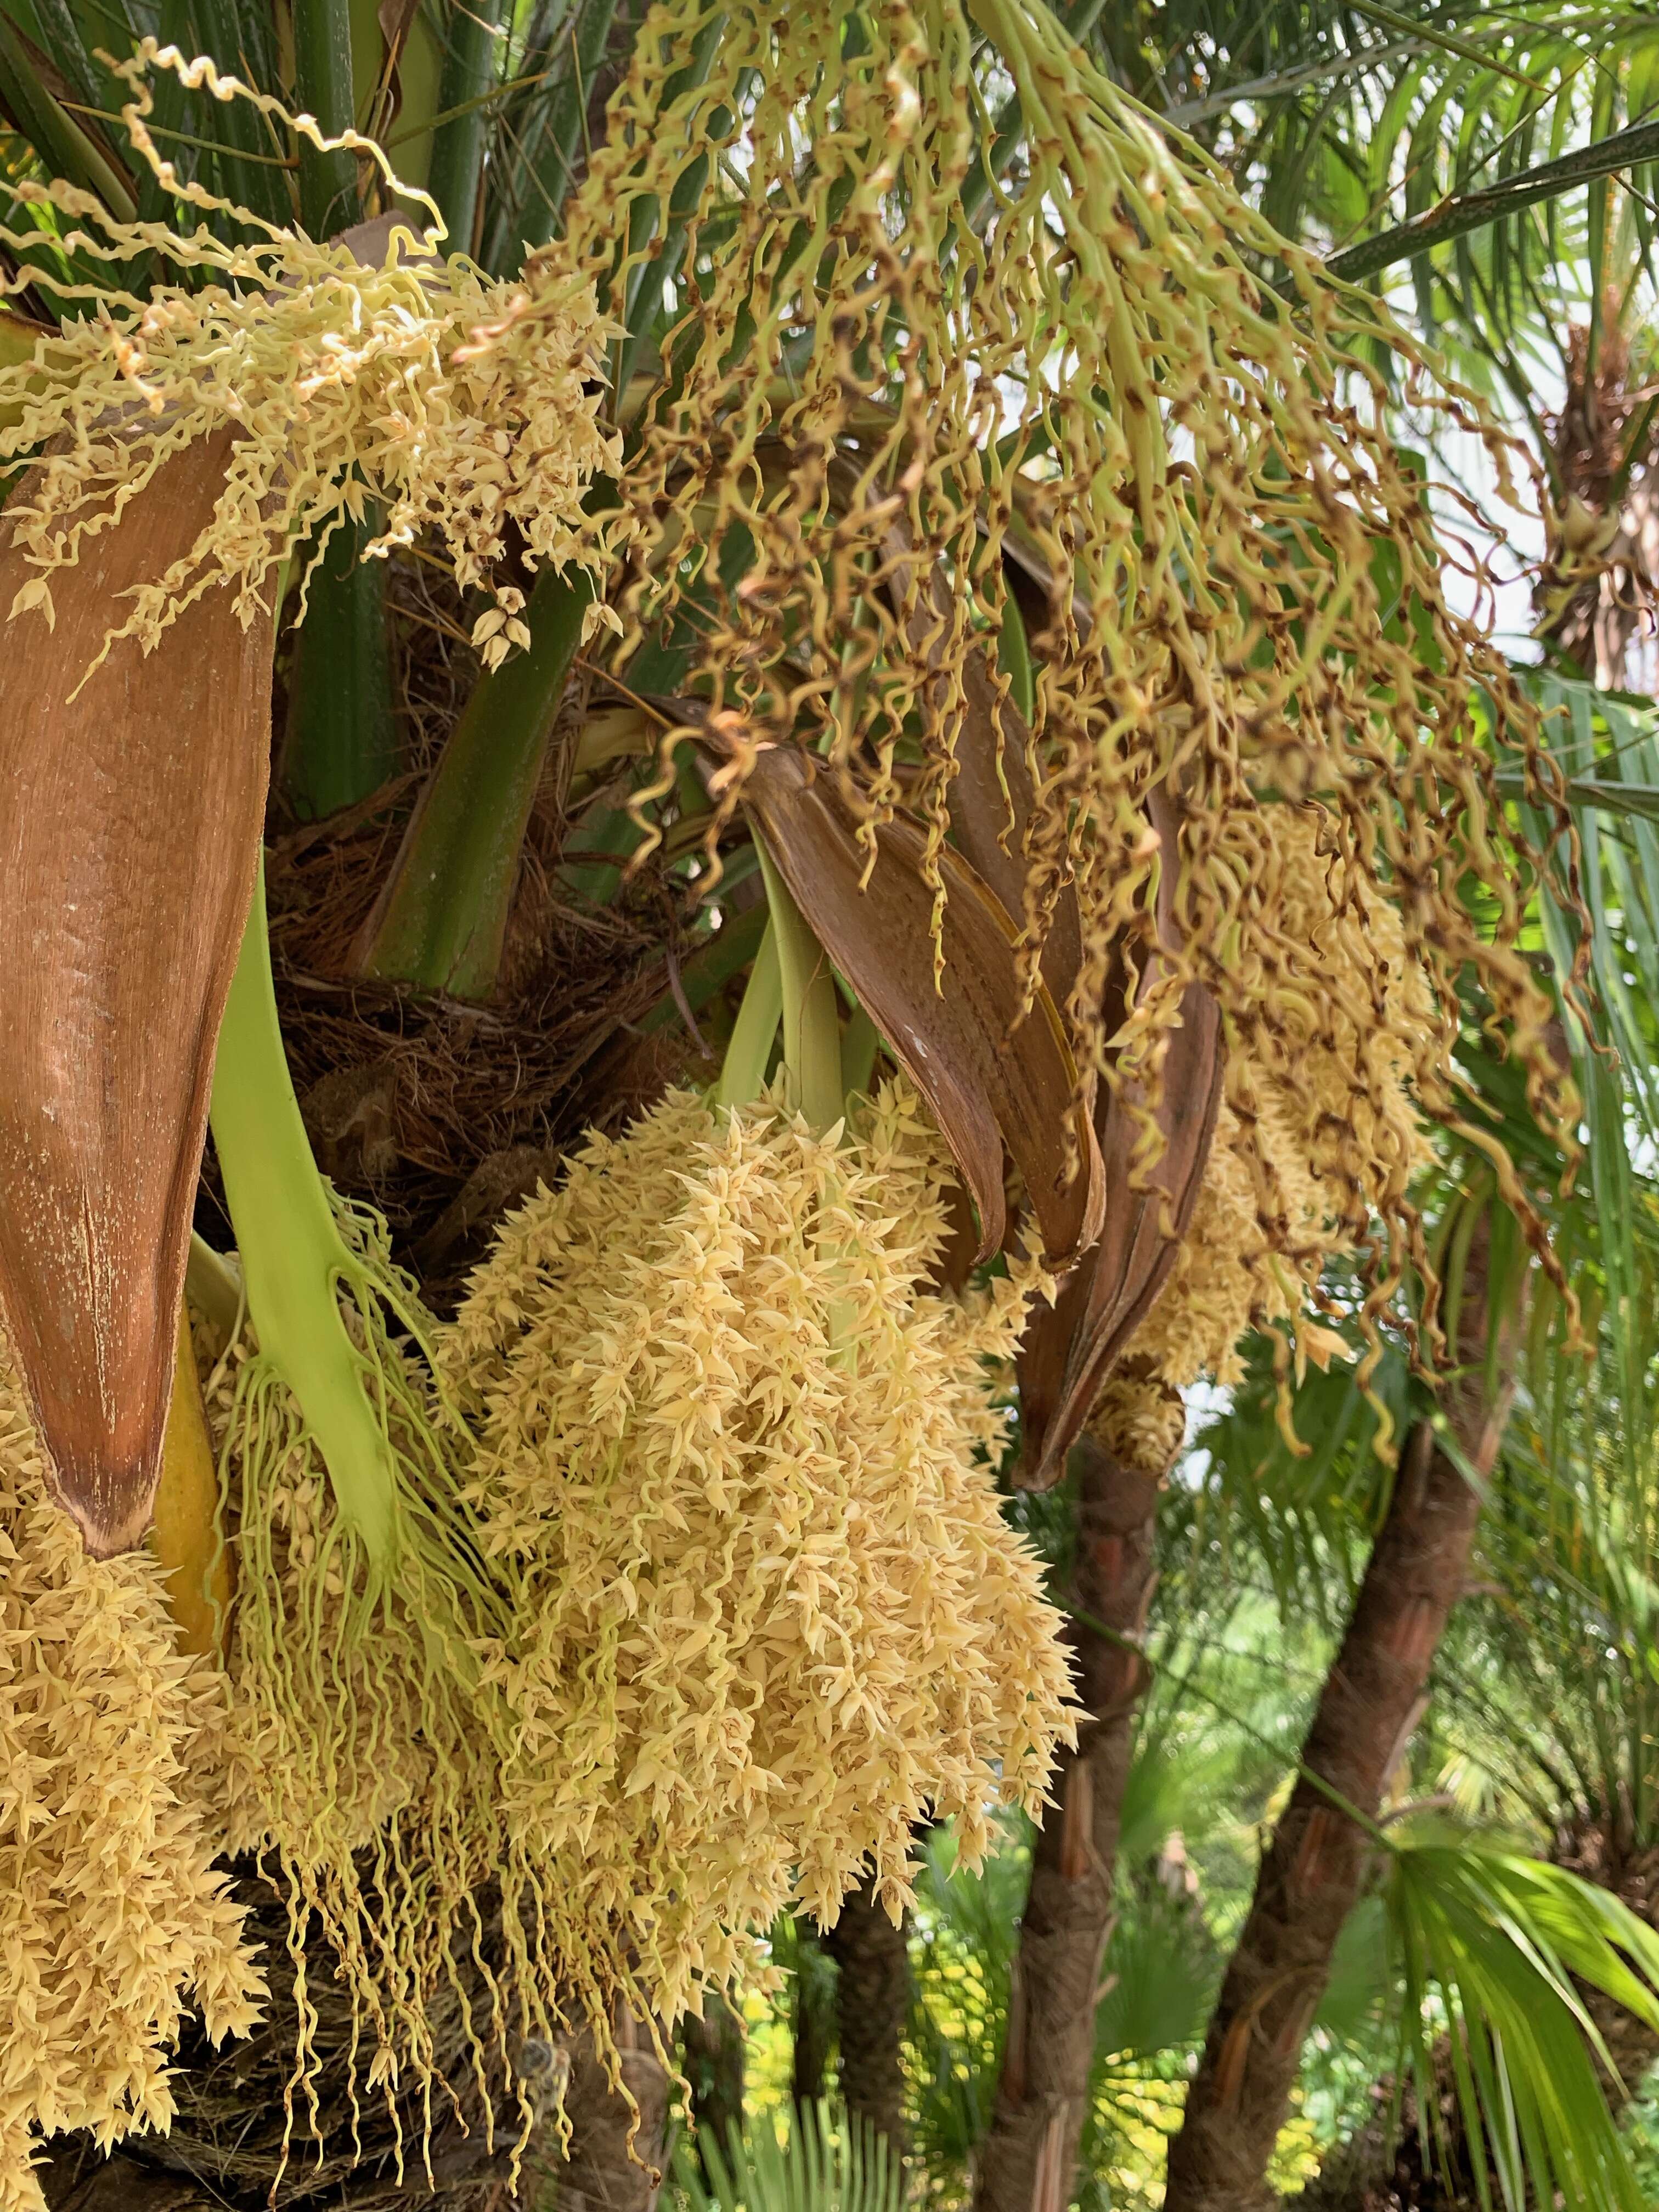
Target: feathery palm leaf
823,2161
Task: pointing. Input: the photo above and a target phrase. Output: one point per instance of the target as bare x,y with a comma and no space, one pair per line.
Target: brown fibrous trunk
814,2019
873,2008
1315,1867
617,2135
1029,2157
714,2068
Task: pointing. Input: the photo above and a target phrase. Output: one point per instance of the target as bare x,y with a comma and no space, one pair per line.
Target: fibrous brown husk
226,2143
443,1114
115,973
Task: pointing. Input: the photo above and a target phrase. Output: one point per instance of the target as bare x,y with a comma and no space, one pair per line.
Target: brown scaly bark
615,2153
1314,1870
1606,454
873,2005
1028,2160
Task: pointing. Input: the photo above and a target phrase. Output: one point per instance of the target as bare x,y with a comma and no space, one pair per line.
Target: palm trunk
1312,1875
814,2018
1029,2157
872,2006
616,2148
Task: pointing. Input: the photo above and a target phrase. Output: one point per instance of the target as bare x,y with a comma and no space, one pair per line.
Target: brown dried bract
128,842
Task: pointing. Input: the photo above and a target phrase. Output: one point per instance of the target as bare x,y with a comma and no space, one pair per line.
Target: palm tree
867,712
1318,115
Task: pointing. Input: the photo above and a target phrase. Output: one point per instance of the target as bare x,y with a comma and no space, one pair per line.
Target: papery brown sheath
130,831
1072,1347
992,1072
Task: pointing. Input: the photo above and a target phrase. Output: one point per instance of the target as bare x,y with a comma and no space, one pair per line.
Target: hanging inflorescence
753,1611
414,384
115,1923
893,378
1303,1155
733,1457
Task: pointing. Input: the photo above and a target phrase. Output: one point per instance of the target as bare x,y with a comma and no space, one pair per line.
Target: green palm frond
1352,120
1162,1969
1501,1946
818,2162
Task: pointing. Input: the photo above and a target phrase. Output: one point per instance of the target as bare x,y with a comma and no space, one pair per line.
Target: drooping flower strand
732,1442
115,1923
869,413
466,407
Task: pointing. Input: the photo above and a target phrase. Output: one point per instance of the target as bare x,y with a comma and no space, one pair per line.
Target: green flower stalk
812,1019
365,1739
297,1255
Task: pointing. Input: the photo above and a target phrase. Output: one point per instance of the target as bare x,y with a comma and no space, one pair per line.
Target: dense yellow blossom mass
114,1920
1319,1131
732,1441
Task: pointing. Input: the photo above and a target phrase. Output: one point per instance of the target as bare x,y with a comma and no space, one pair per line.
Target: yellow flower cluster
1319,1133
357,1759
112,1919
459,404
730,1445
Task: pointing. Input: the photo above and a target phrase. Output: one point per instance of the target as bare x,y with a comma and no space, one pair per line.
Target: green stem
859,1049
292,1252
65,148
811,1053
472,67
1464,212
743,1074
323,80
214,1288
812,1022
1078,17
239,40
441,921
549,128
342,738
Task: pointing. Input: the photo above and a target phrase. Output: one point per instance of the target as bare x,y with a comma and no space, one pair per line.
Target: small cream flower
1319,1131
730,1441
457,404
114,1920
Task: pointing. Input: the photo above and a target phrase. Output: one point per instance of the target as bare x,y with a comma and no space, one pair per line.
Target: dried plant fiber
116,969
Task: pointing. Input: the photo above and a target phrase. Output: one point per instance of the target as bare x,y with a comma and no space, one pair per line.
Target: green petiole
743,1075
812,1020
293,1255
